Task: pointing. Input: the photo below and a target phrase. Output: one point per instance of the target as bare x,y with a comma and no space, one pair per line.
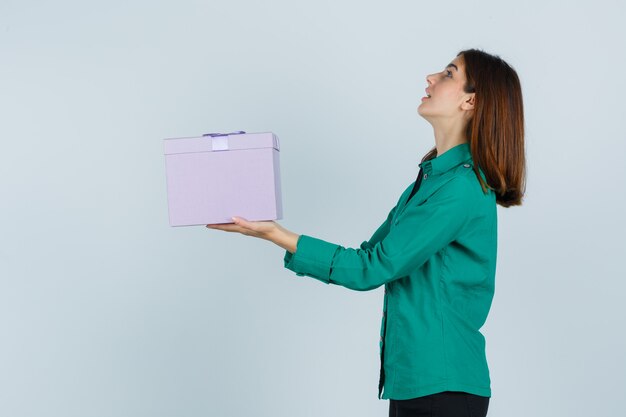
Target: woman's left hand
268,230
261,230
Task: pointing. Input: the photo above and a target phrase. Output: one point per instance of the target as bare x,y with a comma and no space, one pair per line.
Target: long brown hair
496,130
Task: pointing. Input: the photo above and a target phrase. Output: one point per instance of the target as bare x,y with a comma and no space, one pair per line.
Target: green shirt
436,256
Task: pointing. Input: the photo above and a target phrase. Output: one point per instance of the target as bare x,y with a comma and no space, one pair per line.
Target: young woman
436,251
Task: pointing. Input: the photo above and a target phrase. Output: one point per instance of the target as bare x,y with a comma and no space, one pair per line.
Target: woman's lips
425,98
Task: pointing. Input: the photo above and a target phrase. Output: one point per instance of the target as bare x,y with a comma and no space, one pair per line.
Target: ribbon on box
219,141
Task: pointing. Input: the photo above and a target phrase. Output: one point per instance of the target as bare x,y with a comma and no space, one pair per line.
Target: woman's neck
448,137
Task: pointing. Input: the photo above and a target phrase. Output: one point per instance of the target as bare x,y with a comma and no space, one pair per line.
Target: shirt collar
447,160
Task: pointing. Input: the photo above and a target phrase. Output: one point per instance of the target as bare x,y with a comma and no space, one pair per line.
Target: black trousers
442,404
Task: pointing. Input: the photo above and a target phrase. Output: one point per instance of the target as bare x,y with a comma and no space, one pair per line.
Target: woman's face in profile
447,99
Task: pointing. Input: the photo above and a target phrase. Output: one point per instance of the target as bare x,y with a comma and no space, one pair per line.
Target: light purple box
212,177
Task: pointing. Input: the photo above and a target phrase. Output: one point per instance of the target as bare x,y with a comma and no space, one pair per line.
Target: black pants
442,404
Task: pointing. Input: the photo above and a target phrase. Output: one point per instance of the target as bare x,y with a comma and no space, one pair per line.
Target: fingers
238,225
244,223
241,221
218,225
226,227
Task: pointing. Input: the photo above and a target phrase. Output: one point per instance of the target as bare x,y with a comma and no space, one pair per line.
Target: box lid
211,142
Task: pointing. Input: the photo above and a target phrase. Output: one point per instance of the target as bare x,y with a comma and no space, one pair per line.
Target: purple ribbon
224,134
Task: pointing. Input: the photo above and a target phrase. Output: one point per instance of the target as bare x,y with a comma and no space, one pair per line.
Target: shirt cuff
313,257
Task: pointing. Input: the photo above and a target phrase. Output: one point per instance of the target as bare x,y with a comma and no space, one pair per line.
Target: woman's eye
449,73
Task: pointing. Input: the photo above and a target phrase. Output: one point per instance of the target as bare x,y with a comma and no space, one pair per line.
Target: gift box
212,177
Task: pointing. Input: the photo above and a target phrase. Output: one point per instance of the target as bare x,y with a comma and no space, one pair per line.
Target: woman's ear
469,103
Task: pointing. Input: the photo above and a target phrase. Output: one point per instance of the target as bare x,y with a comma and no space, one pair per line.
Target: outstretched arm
392,253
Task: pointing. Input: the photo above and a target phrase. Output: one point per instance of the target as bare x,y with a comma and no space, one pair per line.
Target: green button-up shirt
436,256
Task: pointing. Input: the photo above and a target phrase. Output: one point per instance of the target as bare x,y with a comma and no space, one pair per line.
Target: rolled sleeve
313,257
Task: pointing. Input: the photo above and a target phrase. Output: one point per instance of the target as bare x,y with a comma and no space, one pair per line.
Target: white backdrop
105,310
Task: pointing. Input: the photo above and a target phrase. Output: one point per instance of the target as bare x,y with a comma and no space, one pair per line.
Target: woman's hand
268,230
263,230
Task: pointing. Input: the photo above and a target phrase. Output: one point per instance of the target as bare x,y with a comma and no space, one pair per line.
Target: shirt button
466,165
425,176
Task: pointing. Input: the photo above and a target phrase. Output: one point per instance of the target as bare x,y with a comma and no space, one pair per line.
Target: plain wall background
105,310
